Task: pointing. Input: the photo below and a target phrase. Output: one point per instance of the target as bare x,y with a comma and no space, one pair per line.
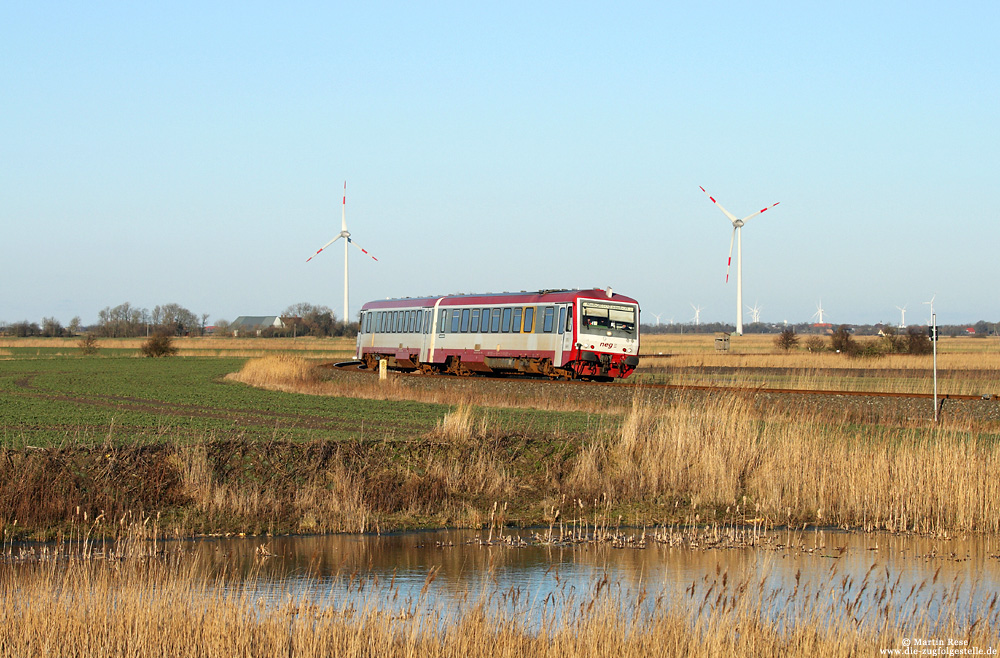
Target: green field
49,401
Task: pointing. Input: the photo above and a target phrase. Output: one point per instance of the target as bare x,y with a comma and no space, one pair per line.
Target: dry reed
171,607
725,454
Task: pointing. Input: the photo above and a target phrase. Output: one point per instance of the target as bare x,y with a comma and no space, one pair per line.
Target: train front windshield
601,318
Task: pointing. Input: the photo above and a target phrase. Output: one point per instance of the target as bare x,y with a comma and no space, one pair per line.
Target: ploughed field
265,435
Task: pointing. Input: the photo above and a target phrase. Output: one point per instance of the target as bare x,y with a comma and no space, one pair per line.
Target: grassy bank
141,606
690,460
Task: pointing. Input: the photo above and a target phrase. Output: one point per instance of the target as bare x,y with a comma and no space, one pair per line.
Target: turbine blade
729,262
323,247
343,210
730,215
363,250
760,211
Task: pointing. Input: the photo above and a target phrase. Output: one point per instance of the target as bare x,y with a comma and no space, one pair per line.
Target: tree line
128,321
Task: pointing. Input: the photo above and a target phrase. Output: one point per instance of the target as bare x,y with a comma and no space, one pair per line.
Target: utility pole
934,337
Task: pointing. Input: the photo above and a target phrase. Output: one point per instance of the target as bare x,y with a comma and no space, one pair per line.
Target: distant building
254,325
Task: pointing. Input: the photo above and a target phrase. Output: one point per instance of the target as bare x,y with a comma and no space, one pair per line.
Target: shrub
815,344
88,345
786,340
159,344
841,341
917,341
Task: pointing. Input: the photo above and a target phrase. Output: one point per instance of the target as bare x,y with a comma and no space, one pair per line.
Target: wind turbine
819,311
933,297
344,233
754,312
737,237
657,316
902,317
697,314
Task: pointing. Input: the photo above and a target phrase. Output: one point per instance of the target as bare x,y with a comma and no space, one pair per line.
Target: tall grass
171,607
726,454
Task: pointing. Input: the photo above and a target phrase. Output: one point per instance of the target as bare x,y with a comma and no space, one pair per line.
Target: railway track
351,366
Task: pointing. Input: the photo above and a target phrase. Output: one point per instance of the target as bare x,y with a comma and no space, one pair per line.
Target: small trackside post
383,369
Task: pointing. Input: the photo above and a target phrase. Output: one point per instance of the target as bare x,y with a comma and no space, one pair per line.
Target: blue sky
196,152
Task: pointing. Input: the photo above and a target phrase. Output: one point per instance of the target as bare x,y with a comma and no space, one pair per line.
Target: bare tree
51,328
842,341
786,340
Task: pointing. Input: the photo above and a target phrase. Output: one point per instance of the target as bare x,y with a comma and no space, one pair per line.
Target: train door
430,340
563,339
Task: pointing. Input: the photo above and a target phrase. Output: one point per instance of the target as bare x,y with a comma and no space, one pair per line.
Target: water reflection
452,566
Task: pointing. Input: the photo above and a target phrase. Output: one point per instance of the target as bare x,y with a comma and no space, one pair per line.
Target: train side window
529,319
427,322
409,322
569,321
506,321
455,320
474,326
547,320
516,323
484,321
368,322
395,322
465,320
562,318
495,321
443,322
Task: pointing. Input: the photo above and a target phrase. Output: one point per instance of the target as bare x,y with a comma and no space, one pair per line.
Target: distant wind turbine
697,314
344,233
819,311
737,236
932,307
755,312
657,316
902,317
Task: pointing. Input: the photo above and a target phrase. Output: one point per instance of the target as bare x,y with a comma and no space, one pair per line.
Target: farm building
255,325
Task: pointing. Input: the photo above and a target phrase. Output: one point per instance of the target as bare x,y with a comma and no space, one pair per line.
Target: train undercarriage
591,367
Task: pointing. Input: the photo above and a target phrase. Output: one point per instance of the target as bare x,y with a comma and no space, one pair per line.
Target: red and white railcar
588,334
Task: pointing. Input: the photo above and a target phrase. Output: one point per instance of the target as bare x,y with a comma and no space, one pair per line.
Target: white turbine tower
902,317
657,316
697,315
819,311
737,236
344,233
